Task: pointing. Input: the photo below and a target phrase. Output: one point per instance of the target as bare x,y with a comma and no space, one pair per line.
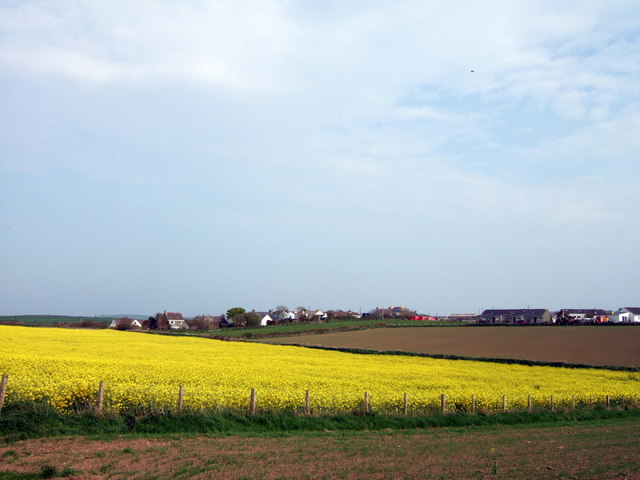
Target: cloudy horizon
194,156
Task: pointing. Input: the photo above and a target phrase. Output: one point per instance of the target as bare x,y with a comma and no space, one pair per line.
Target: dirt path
608,451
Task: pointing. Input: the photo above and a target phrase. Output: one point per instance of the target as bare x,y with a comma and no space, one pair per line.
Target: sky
195,155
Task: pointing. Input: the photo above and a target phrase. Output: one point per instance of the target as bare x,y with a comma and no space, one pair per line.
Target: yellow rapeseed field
142,372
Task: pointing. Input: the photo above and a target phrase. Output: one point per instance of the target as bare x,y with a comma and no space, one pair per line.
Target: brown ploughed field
589,452
592,345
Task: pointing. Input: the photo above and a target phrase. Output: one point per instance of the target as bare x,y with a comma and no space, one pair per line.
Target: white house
626,315
265,319
175,320
318,315
287,316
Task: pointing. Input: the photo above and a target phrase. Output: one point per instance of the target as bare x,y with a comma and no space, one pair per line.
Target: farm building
518,316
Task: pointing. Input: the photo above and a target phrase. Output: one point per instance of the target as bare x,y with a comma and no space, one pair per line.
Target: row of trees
239,317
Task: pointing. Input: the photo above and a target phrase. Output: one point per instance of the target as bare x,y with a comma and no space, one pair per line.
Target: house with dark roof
626,315
174,320
125,324
515,316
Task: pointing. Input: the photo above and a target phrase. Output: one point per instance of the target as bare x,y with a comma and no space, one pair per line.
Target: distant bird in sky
472,71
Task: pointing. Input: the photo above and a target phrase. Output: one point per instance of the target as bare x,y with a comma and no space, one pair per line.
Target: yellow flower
144,372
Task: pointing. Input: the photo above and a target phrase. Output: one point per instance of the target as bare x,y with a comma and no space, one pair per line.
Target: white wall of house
622,315
619,316
176,324
631,317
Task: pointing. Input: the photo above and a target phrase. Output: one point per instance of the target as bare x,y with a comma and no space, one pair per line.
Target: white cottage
265,319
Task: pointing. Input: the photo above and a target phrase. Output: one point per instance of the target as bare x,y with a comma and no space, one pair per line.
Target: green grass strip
23,420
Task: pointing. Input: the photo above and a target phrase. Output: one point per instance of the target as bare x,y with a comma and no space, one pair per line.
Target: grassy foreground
588,450
23,420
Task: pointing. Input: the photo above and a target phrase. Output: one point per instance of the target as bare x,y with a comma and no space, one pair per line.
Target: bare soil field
592,345
601,452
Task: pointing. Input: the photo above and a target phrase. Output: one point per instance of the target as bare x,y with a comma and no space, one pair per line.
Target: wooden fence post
504,403
366,402
180,398
473,404
307,403
100,397
608,402
3,389
405,409
443,403
553,404
252,405
624,402
573,401
529,404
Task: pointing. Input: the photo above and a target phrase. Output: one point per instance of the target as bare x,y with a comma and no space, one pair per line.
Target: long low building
516,316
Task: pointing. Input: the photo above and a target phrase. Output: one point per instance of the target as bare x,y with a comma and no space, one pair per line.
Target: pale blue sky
198,155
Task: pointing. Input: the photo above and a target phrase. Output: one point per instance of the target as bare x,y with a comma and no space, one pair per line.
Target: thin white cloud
231,45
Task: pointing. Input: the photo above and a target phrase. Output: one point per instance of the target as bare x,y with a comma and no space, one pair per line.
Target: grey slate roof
514,311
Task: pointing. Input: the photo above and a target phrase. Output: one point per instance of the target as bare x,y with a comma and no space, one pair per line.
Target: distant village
239,317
